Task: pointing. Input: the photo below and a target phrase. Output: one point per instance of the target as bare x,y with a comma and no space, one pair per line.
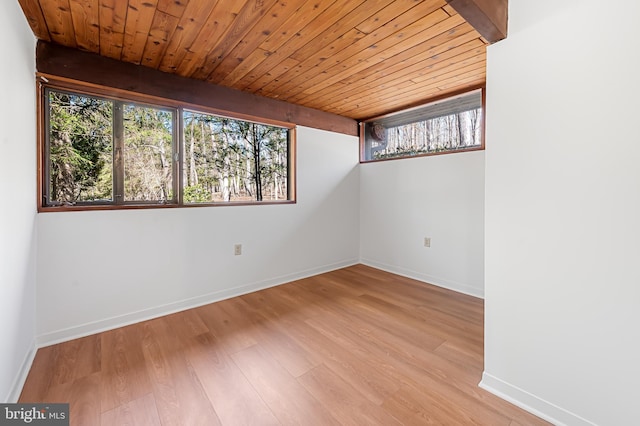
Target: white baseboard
531,403
460,288
21,376
87,329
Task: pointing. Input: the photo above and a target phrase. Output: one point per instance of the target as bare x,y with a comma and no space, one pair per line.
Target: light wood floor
354,347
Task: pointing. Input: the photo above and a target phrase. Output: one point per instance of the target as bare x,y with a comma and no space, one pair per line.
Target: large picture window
99,151
448,125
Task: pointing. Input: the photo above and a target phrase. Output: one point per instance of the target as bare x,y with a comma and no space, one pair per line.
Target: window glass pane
448,133
233,160
80,148
445,126
148,159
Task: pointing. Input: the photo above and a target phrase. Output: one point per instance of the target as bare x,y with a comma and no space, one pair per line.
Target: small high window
98,151
449,125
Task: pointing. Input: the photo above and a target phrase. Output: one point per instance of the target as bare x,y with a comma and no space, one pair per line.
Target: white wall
98,270
563,211
441,197
17,199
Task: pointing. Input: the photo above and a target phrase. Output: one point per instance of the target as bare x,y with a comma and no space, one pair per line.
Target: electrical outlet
427,241
237,249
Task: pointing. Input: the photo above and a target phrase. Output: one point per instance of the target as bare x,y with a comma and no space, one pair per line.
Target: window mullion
178,158
118,153
46,161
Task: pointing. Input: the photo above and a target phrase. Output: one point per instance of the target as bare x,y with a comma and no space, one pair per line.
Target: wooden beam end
488,17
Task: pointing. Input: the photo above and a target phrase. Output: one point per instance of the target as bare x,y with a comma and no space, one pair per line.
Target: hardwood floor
356,346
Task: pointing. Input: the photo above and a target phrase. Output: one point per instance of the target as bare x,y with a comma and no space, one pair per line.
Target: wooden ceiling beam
91,68
488,17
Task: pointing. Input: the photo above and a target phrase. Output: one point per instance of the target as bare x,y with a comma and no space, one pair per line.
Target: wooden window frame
480,147
46,82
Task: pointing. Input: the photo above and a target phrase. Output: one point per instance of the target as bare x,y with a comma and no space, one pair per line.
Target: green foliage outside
80,135
148,140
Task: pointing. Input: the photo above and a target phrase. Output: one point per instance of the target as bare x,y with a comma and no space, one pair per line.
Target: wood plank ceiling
355,58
